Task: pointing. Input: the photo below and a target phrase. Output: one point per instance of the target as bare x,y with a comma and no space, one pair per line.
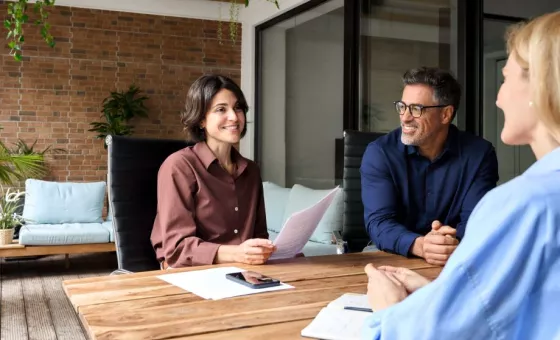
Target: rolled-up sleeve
175,223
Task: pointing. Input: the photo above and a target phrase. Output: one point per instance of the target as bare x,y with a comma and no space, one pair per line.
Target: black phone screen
253,279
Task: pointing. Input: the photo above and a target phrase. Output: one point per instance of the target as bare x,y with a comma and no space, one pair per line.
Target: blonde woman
503,281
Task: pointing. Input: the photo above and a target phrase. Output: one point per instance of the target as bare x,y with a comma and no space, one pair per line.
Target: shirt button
235,231
236,208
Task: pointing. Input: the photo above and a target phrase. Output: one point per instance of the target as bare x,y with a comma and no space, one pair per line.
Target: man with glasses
421,181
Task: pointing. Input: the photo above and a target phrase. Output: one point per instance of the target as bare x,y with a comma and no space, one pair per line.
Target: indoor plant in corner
13,168
9,218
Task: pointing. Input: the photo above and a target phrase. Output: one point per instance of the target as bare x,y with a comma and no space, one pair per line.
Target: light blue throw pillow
63,202
275,200
302,197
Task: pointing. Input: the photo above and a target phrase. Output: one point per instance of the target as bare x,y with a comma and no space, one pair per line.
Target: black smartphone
253,279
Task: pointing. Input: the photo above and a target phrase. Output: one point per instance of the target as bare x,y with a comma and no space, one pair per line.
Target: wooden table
141,306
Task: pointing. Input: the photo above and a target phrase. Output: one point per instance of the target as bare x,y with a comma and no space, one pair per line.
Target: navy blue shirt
403,192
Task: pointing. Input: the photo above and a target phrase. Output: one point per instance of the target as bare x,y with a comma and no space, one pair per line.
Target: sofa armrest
341,245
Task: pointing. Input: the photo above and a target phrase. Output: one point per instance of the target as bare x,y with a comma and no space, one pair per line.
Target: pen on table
359,309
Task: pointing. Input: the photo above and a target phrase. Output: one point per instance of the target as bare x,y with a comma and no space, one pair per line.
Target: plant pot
6,236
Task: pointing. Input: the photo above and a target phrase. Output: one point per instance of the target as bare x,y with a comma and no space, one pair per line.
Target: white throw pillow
302,197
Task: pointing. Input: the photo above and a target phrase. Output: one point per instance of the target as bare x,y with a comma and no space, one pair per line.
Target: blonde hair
536,47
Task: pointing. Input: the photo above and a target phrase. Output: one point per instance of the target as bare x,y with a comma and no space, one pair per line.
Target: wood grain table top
141,306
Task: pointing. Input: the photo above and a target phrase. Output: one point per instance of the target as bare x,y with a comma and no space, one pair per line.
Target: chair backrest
132,181
353,227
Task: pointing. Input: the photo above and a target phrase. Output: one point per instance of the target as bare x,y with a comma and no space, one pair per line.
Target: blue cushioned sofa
62,218
63,213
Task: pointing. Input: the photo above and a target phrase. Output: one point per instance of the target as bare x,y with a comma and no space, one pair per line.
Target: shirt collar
207,157
548,163
451,143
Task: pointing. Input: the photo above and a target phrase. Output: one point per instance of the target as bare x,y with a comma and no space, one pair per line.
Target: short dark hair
447,90
199,99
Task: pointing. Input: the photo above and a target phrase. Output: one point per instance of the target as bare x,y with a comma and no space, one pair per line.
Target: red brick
55,94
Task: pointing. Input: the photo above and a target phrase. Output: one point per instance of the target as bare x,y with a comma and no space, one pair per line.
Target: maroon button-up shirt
201,206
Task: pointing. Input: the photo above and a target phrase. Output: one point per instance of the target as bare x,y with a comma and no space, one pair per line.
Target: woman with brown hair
210,198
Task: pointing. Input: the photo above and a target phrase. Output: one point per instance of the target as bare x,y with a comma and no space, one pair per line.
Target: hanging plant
234,19
18,16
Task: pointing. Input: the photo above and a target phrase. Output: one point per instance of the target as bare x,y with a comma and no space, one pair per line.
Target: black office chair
133,167
353,228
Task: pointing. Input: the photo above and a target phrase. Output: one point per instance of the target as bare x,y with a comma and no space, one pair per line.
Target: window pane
397,36
512,160
301,97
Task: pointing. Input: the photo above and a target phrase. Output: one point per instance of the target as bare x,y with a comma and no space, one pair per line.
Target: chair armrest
341,245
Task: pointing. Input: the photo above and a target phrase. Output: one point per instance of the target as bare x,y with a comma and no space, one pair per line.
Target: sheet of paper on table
212,283
336,323
299,227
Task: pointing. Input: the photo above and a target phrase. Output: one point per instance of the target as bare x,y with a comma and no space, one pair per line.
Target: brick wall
54,94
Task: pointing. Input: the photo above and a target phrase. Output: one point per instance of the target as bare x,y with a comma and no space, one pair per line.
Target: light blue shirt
503,281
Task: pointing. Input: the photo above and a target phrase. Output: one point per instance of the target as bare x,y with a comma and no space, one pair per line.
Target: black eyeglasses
415,110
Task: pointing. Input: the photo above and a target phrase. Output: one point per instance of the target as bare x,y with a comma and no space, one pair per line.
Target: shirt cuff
205,253
405,243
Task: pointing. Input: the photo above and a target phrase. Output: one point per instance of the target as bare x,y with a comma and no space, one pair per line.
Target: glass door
512,160
396,36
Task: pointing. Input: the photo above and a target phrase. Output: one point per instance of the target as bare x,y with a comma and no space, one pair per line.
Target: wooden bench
19,250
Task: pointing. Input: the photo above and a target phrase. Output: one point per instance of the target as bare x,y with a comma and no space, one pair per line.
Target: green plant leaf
20,166
18,16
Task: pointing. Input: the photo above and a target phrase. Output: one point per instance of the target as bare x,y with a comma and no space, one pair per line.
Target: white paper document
299,227
336,323
212,283
350,300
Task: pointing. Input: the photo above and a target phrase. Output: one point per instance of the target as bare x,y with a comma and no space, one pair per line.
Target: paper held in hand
299,227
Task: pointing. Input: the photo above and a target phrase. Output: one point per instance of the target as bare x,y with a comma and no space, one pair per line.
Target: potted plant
9,218
118,109
14,168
